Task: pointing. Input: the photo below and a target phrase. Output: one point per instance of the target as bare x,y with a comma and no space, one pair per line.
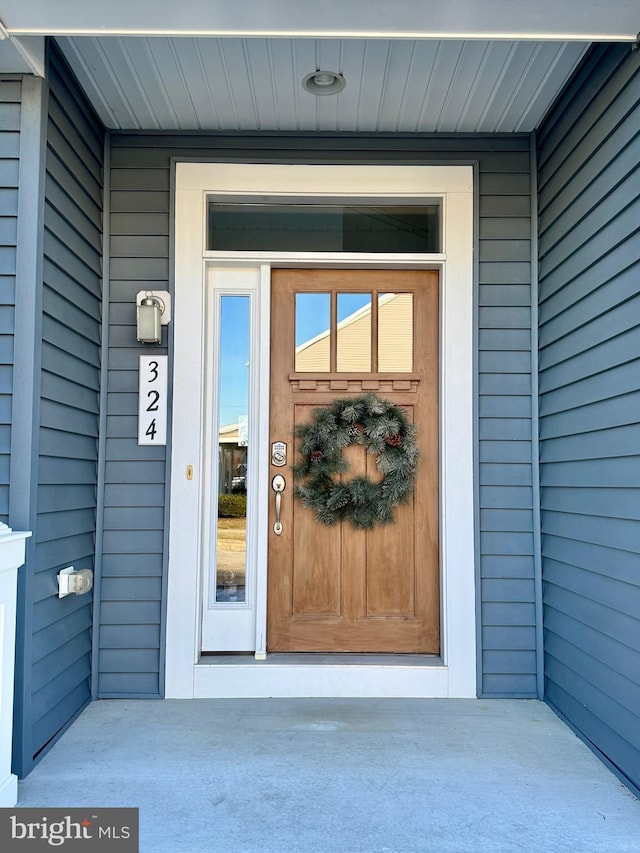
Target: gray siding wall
55,682
589,164
10,102
135,513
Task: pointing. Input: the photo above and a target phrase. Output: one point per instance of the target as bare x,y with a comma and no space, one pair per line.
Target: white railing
12,547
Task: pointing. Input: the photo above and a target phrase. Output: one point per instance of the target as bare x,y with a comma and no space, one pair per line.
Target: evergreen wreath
383,429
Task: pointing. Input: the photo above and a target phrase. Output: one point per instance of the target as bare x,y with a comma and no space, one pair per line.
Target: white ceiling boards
410,66
256,84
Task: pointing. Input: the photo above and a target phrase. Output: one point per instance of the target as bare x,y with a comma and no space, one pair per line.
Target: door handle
277,484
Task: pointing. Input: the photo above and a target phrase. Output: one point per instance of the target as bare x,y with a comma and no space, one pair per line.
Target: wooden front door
336,334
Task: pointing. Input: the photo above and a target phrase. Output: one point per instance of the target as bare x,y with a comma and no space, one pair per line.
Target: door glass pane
313,319
254,227
233,440
395,332
354,333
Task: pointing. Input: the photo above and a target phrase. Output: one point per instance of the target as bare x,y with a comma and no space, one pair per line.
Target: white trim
457,389
12,555
289,680
263,490
464,19
31,50
572,35
183,587
455,676
394,182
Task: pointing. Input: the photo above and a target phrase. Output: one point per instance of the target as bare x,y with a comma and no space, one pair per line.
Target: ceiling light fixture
324,82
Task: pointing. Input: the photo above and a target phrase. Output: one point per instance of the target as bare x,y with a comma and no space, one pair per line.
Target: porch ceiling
255,84
410,65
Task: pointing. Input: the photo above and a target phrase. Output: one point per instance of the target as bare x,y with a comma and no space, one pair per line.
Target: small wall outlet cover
63,581
72,581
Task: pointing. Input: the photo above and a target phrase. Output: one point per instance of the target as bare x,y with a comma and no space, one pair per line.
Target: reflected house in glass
355,335
231,535
232,472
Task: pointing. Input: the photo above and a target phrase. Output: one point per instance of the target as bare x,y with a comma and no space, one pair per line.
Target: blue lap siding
53,678
10,118
589,162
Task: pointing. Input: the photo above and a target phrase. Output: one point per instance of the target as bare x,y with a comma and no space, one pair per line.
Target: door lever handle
277,484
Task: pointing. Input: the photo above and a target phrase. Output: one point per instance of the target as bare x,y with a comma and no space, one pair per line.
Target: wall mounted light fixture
153,312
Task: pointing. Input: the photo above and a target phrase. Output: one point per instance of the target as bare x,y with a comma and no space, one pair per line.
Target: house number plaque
152,399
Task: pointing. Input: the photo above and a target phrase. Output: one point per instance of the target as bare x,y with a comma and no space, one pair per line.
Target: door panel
341,589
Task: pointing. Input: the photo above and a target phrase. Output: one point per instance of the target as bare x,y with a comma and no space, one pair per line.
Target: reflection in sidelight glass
395,332
353,350
233,440
313,320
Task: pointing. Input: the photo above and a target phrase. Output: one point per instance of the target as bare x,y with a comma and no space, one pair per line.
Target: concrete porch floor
343,775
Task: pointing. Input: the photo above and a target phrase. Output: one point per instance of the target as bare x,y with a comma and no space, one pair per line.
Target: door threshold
300,675
317,659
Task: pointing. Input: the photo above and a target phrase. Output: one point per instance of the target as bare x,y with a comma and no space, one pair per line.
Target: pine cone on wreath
394,439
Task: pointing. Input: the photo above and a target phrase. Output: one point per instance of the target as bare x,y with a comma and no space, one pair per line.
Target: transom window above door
259,225
353,332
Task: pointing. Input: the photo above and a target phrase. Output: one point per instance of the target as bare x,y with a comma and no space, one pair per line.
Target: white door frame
453,674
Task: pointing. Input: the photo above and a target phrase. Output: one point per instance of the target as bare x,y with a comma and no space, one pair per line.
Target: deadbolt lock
279,454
